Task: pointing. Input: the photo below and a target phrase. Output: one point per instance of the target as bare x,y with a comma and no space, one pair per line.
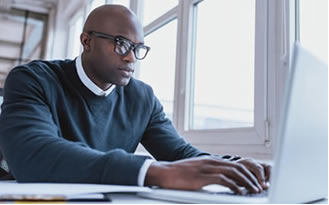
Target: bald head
113,19
100,58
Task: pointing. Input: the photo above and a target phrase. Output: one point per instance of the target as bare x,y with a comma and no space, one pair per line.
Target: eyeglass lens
123,47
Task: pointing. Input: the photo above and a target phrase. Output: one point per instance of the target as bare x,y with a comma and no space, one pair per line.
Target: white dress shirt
100,92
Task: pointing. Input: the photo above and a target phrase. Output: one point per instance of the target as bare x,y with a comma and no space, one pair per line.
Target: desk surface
122,198
132,198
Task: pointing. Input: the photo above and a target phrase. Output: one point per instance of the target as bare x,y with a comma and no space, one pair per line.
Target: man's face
107,65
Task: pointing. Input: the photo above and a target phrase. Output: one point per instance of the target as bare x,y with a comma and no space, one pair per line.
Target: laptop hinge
267,132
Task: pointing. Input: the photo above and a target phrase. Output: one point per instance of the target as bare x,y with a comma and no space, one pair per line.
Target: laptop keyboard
261,194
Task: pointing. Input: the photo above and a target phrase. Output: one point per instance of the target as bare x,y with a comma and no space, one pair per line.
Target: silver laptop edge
303,126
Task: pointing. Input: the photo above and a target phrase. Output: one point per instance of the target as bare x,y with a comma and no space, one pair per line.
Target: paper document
50,191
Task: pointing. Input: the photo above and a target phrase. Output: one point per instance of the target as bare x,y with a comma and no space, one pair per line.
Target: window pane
33,38
96,3
75,32
224,64
122,2
10,42
314,27
20,44
154,9
158,68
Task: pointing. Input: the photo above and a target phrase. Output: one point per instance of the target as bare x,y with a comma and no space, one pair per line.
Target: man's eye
120,42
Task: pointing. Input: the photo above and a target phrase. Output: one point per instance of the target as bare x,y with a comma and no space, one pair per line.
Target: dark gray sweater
54,129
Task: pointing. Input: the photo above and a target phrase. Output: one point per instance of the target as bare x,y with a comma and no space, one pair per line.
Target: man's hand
262,171
194,173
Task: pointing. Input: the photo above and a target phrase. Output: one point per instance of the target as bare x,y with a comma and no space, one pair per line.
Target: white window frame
282,38
242,140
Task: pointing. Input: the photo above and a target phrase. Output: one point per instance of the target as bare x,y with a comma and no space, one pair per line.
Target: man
80,121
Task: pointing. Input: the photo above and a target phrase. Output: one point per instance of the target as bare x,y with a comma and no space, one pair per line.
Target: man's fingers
261,171
252,177
258,171
236,172
224,181
267,170
241,179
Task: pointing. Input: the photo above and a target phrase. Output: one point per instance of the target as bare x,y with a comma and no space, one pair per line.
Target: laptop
300,169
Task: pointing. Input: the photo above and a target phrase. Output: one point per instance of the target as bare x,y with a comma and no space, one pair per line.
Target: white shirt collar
89,83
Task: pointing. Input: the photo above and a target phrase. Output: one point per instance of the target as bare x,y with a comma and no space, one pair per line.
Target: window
222,83
22,39
122,2
224,64
96,3
208,71
158,68
313,25
155,9
76,25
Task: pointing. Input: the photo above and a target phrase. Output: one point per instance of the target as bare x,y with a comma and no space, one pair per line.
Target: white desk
116,198
134,199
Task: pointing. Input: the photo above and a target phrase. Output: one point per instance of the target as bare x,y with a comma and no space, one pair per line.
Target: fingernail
260,187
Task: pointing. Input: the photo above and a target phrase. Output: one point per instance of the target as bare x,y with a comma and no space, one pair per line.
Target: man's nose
130,57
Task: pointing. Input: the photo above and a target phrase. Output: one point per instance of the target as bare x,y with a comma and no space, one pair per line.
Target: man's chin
123,82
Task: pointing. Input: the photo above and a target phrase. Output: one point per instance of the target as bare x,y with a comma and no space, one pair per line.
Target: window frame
259,134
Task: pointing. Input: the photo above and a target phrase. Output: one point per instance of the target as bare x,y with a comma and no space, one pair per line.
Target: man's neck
93,78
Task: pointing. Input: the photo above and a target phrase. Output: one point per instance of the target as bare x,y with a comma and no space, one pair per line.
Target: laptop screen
301,166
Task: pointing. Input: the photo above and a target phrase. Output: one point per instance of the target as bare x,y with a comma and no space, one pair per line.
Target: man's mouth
126,72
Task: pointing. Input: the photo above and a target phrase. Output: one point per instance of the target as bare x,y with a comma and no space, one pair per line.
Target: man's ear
85,41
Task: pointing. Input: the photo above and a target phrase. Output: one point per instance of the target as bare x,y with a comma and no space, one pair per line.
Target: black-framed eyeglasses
123,46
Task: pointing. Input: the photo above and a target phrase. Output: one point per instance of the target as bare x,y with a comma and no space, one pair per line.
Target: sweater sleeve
161,138
30,142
